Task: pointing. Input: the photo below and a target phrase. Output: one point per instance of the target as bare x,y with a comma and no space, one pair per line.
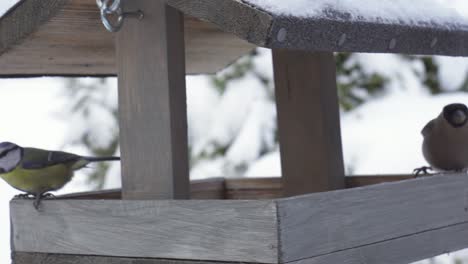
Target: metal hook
104,4
115,9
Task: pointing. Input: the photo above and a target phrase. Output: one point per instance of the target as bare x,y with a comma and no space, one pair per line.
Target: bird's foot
48,196
40,197
24,196
424,170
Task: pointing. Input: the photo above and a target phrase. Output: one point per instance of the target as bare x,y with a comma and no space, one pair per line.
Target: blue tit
38,171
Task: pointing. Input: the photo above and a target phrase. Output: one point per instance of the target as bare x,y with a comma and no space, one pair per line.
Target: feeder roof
66,37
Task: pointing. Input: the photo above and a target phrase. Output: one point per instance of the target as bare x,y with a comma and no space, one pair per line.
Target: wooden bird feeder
305,217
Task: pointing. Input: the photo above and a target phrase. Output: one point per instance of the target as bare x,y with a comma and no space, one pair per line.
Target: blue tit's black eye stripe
6,147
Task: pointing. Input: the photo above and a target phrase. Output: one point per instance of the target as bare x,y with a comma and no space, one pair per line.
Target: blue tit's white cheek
10,160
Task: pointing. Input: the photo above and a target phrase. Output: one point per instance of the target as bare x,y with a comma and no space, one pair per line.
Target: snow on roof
416,12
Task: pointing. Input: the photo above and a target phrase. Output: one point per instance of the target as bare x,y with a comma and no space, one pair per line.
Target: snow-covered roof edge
332,29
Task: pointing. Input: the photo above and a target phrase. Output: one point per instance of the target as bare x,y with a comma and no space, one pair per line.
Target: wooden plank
112,194
152,103
213,188
66,37
243,231
240,188
29,258
231,16
330,30
315,225
405,249
308,121
254,188
346,35
360,181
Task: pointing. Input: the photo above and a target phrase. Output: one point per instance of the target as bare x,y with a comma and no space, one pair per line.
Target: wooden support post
308,120
152,103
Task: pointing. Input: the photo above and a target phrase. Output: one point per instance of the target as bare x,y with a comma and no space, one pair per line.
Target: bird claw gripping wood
424,170
24,196
40,197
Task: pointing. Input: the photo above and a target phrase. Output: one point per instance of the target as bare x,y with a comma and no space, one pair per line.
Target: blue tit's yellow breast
37,181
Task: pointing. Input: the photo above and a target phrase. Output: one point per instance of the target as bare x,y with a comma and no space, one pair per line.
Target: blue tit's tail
96,159
83,161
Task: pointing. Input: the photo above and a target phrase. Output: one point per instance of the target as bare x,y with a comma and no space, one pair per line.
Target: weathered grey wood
231,16
254,188
242,231
30,258
66,37
152,103
360,181
240,188
308,121
342,35
332,31
213,188
350,222
400,250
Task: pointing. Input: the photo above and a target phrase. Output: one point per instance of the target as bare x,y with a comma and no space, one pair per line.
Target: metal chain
112,8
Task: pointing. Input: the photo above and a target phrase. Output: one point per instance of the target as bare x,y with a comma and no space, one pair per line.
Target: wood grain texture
240,188
333,30
43,258
360,181
66,37
400,250
308,121
152,103
231,16
253,188
354,220
338,33
243,231
213,188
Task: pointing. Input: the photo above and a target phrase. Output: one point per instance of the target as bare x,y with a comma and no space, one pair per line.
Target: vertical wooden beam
152,103
308,120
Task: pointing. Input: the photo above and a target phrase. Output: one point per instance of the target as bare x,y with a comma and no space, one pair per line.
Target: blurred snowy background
385,101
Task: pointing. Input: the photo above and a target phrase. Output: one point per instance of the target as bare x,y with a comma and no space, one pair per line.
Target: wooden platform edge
30,257
240,188
344,224
405,249
238,231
